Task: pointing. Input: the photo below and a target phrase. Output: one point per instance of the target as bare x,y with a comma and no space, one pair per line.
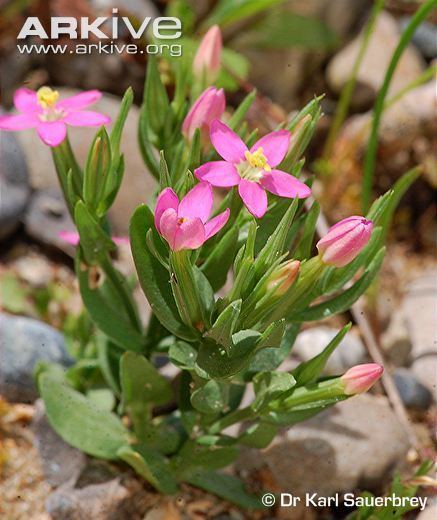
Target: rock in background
23,343
356,444
14,184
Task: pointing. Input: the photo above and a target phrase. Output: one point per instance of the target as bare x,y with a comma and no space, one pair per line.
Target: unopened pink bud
345,240
360,378
208,56
209,106
284,277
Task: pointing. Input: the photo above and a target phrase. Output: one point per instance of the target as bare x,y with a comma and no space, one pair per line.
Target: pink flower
251,170
345,240
43,111
72,238
208,56
185,224
360,378
209,106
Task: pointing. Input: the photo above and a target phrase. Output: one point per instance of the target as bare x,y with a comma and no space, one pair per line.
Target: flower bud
360,378
283,278
208,56
209,106
345,240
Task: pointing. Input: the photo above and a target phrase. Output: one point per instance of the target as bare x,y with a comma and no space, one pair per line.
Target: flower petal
86,118
197,203
25,100
226,142
52,132
254,197
215,224
79,101
19,121
339,230
284,185
189,235
275,146
166,199
168,225
218,173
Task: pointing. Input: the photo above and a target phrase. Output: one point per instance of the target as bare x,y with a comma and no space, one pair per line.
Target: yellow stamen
47,97
257,159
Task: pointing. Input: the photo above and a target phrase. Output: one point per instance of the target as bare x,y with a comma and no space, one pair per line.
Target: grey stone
14,184
424,37
24,342
138,185
430,512
375,61
412,392
311,342
101,493
60,461
46,216
357,443
396,341
419,306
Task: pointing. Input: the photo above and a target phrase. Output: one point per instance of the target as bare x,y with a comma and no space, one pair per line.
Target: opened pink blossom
207,60
253,171
209,106
360,378
345,240
44,111
186,224
73,238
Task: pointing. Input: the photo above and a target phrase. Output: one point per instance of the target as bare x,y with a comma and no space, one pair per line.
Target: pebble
23,343
14,184
311,342
355,444
413,393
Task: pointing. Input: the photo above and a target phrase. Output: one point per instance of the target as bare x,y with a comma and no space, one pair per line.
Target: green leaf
275,245
80,421
155,101
97,169
272,336
106,312
95,243
308,372
222,330
225,486
144,139
151,465
164,175
183,355
214,360
103,397
210,398
270,358
269,386
343,301
142,387
153,277
231,11
118,125
193,456
258,435
287,29
219,261
238,116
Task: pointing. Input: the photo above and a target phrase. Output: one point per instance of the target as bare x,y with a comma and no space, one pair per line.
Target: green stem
348,90
234,417
429,73
372,146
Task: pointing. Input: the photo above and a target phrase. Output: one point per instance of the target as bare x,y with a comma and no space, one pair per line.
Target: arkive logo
106,29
